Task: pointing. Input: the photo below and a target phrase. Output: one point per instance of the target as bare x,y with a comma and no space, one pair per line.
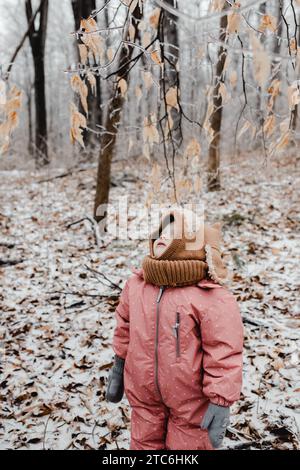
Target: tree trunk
112,120
278,33
296,109
40,108
29,109
37,38
216,117
262,10
173,55
83,9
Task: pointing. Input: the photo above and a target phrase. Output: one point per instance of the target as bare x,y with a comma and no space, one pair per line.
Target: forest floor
59,292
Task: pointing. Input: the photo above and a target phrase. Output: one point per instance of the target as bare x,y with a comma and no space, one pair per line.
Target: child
178,341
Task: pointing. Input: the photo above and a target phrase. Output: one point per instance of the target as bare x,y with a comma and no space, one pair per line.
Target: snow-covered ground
58,302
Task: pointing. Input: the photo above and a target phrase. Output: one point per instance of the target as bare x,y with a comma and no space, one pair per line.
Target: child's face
164,241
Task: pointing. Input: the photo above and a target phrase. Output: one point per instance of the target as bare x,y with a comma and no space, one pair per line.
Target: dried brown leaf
293,94
268,22
83,53
150,132
78,124
261,61
193,149
155,57
94,42
233,22
92,81
81,89
171,98
154,18
123,86
269,125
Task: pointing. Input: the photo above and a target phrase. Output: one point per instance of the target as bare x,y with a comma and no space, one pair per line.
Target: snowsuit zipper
161,289
176,333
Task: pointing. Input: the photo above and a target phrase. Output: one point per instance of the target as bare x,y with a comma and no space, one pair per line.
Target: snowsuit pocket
185,329
177,334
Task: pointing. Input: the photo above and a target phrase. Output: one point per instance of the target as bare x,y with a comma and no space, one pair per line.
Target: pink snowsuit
183,349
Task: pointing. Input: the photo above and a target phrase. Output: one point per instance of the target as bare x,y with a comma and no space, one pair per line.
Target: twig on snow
94,225
8,262
252,321
98,273
81,294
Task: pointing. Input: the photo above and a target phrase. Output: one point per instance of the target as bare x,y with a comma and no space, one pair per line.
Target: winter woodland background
154,101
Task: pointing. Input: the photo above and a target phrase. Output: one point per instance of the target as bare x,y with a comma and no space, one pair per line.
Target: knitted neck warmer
180,265
173,272
176,266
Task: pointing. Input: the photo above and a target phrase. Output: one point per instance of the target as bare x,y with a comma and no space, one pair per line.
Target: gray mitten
115,386
216,420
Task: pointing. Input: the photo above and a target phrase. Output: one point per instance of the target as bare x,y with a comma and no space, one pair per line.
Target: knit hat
193,254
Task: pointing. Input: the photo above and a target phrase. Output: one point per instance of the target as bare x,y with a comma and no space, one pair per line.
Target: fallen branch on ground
95,227
5,263
98,273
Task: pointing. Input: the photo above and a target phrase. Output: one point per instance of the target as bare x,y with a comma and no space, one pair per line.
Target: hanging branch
244,93
30,24
203,19
160,34
129,51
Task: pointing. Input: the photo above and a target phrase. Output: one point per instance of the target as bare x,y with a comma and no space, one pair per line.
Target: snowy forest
110,109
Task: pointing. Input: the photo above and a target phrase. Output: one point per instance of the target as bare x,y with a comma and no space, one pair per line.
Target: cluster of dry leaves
91,51
60,291
277,131
10,104
94,51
